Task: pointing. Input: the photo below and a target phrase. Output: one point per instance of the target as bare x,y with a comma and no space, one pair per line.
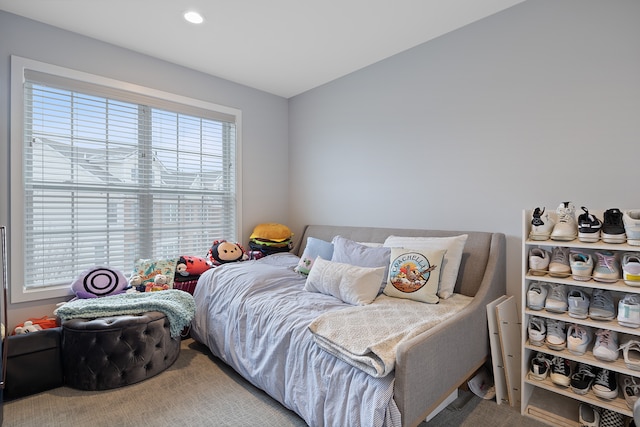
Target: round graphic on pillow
99,282
410,271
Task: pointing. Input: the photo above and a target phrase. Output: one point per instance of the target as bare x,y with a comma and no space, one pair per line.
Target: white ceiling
283,47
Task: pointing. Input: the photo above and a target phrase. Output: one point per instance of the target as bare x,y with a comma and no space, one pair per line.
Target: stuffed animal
159,284
99,282
223,252
27,328
192,266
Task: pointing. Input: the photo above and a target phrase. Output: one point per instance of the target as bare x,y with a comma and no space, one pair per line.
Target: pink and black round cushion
99,282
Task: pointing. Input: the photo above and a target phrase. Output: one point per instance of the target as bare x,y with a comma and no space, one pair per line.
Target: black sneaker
582,380
605,384
588,227
560,371
540,366
613,227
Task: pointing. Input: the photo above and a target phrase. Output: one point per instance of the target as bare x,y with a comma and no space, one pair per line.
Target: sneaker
631,268
629,311
539,261
560,371
581,265
606,346
541,225
566,229
556,335
582,379
605,384
559,265
602,307
540,366
589,417
631,221
556,301
588,227
609,418
631,354
578,339
578,302
613,227
606,269
537,331
630,389
536,296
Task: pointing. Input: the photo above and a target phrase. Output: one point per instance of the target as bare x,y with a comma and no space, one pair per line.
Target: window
105,173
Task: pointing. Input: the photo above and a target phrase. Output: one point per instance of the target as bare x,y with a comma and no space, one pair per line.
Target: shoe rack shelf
540,398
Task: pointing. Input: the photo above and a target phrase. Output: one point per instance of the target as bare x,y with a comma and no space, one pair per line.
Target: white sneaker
589,417
631,354
539,260
631,220
537,331
541,225
631,268
556,301
606,346
578,338
559,265
629,311
581,265
536,296
566,229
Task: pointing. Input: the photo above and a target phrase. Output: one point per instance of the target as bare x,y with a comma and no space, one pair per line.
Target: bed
257,317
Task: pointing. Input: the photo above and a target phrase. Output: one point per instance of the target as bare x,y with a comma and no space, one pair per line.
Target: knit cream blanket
368,336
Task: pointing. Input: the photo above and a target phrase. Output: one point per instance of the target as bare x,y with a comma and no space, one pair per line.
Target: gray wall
529,107
264,126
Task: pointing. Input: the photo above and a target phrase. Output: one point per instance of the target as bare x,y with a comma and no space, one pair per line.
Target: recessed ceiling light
193,17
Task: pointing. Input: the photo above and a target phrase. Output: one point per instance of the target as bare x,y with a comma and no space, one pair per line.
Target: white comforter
255,315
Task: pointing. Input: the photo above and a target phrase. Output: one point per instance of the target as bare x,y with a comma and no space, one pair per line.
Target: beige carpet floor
199,390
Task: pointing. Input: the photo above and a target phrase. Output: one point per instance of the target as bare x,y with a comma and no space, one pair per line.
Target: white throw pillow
351,284
414,274
453,245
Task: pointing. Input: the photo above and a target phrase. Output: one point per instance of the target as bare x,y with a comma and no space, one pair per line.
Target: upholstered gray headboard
474,258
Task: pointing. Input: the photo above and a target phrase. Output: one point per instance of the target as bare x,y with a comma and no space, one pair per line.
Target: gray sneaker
556,301
578,304
602,307
556,335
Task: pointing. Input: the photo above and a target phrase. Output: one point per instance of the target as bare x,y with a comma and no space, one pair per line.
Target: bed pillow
453,245
349,283
354,253
414,274
315,247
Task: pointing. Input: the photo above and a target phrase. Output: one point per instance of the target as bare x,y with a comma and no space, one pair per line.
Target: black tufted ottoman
110,352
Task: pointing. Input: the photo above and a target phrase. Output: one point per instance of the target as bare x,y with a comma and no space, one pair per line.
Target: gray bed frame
434,364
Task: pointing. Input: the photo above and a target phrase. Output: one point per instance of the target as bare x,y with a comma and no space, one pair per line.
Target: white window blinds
111,176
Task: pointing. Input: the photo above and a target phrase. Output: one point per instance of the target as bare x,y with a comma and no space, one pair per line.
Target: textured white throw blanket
178,306
367,336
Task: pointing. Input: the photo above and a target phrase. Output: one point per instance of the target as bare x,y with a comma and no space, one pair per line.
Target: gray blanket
178,306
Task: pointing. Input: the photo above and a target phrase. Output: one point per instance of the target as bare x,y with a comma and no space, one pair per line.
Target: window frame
19,67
